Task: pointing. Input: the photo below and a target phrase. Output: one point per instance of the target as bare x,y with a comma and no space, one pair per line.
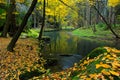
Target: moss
96,52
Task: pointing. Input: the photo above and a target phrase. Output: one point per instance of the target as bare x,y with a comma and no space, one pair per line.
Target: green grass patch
88,32
67,27
34,33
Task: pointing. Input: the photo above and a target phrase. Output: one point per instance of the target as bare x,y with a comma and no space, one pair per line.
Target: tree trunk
43,21
10,19
12,24
6,26
3,6
108,24
24,22
35,19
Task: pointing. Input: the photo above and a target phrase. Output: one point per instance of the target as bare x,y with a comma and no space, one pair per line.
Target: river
68,48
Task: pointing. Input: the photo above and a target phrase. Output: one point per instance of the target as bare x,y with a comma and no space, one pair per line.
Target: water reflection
63,43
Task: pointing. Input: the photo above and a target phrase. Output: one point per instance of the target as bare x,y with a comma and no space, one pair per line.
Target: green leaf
75,78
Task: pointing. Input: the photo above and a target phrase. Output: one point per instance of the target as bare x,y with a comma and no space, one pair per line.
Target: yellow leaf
28,69
88,79
105,72
74,69
114,73
102,65
82,77
111,78
111,58
108,49
115,51
93,75
103,58
114,55
115,64
97,66
75,64
85,62
87,58
106,66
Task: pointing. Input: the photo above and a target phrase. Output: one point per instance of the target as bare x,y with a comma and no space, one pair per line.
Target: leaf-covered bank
104,66
23,63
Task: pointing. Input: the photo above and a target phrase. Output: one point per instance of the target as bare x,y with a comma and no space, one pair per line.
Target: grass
34,33
87,32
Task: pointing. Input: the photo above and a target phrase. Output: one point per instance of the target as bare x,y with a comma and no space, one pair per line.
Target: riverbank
21,64
24,63
99,33
101,64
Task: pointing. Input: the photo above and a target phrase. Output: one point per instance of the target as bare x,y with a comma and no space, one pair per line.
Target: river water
69,49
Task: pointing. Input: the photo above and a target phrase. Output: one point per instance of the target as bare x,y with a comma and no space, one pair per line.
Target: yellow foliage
113,3
102,65
83,77
111,78
24,58
105,72
115,51
88,79
2,1
93,75
20,1
114,73
115,64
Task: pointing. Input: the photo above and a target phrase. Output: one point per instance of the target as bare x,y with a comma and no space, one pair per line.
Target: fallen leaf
105,72
114,73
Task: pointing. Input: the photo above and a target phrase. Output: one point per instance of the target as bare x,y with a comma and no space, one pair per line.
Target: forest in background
66,13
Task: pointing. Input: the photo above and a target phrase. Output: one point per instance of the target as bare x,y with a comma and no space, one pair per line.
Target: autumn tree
10,19
25,19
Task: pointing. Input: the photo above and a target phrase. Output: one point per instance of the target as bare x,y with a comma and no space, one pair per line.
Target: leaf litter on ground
24,58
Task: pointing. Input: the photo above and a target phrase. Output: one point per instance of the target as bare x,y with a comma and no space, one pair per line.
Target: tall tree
43,21
107,23
10,19
12,23
23,24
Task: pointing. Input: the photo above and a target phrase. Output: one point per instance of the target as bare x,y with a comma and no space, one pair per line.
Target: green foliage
30,33
75,78
88,32
96,52
83,32
27,75
2,17
101,25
